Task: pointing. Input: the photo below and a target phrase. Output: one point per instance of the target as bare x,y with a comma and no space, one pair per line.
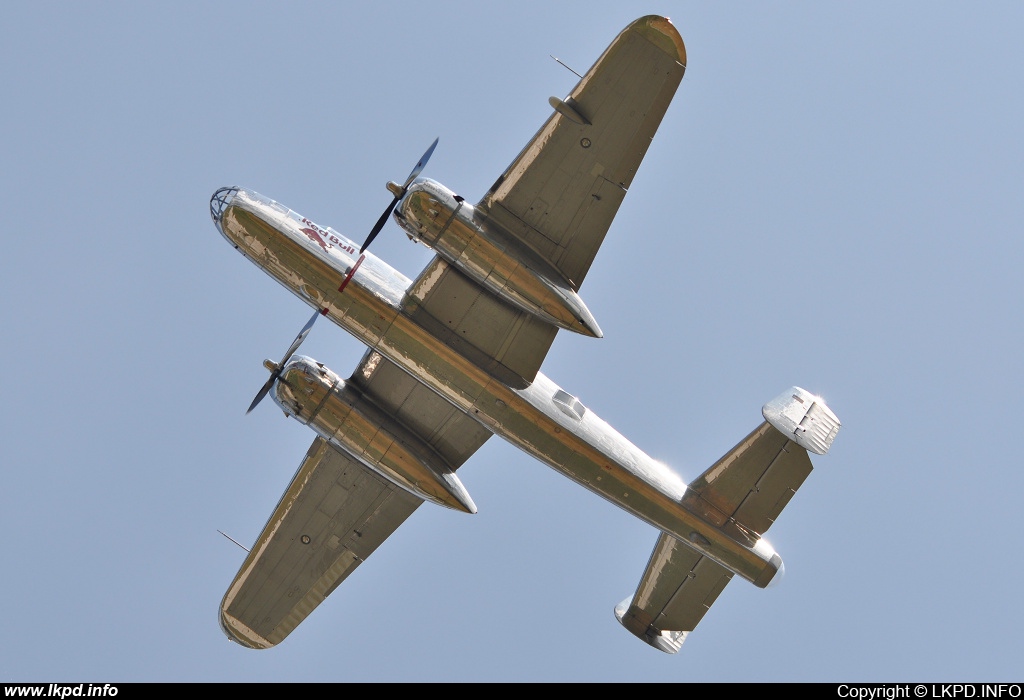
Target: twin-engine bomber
453,357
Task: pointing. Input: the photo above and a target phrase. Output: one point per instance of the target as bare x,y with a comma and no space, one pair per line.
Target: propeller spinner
399,193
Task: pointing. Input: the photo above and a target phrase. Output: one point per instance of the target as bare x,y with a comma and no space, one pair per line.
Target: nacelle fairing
338,412
443,221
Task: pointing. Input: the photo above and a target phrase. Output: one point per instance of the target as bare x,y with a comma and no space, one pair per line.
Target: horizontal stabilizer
745,491
677,589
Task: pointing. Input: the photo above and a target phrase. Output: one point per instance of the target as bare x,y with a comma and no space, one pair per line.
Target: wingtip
661,32
242,634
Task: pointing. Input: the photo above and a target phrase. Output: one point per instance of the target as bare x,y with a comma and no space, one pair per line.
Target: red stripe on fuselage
351,272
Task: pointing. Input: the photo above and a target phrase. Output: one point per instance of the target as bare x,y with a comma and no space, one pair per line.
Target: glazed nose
220,201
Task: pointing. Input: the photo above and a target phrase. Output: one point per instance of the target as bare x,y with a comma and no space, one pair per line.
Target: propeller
275,369
275,372
399,193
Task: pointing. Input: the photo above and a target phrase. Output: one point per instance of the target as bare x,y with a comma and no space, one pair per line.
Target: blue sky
833,201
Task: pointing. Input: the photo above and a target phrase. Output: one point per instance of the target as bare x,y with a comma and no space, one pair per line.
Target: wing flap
507,343
677,589
333,515
450,431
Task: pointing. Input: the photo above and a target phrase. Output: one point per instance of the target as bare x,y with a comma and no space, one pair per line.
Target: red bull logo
325,239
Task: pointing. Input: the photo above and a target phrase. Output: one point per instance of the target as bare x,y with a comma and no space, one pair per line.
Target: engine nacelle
443,221
338,412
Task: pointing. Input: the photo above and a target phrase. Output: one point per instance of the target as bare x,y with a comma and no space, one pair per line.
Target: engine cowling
443,221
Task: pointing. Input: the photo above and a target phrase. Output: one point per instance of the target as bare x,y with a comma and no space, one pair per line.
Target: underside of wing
333,515
448,430
560,194
677,589
337,510
507,343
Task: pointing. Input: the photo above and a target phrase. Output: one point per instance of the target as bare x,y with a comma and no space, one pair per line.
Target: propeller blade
380,223
287,356
263,392
422,164
300,337
391,207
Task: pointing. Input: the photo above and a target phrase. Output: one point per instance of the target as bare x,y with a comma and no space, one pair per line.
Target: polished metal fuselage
542,419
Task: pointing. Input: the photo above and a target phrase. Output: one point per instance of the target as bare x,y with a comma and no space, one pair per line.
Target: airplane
453,357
